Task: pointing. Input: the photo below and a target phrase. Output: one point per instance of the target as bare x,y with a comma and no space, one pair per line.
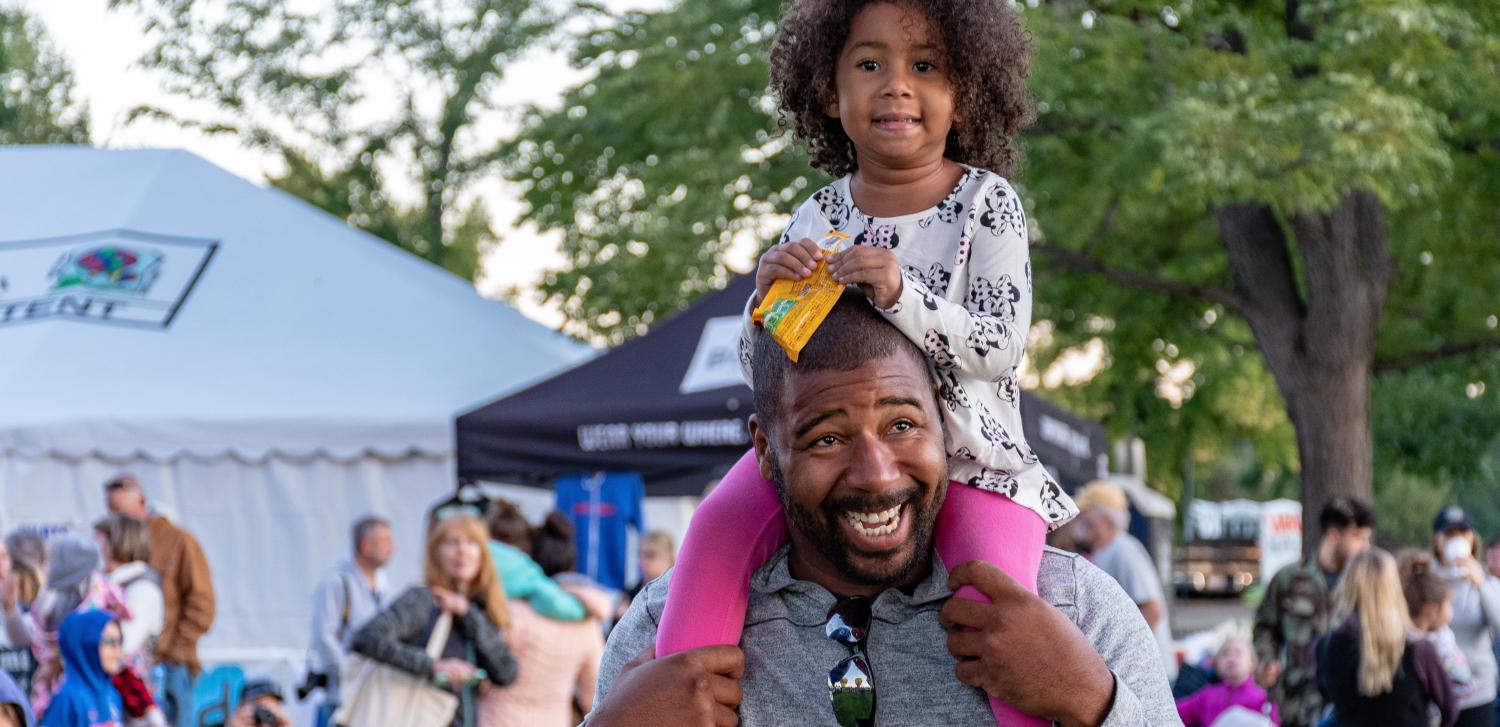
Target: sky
103,48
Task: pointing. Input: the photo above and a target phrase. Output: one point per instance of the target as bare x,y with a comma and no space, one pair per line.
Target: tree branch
1410,361
1084,263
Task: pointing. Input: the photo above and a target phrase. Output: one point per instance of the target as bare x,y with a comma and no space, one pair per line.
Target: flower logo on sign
109,268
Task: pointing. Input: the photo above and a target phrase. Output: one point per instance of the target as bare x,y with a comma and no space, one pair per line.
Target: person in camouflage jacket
1296,608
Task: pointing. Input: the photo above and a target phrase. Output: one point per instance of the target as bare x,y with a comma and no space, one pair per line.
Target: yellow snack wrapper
793,309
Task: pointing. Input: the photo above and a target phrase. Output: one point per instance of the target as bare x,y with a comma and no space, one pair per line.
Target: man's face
1492,560
377,546
1349,542
858,458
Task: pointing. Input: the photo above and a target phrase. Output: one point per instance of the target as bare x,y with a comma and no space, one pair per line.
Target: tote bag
378,695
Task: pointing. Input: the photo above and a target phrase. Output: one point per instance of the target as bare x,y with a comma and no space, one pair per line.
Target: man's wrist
1093,705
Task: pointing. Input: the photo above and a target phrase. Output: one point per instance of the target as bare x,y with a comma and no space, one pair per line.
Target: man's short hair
852,334
123,481
364,527
129,539
1344,512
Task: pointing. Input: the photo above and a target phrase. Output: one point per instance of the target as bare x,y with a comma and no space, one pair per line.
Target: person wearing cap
1101,532
1295,612
1476,610
260,706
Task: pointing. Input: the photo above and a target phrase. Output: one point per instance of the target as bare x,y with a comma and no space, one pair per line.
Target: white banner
1280,536
119,277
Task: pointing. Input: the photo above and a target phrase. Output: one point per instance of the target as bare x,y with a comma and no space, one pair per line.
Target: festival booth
267,371
671,405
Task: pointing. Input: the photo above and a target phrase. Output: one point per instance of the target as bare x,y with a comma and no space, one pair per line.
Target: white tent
269,372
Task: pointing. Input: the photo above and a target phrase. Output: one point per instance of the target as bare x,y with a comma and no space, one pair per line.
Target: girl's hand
873,269
792,261
451,602
458,671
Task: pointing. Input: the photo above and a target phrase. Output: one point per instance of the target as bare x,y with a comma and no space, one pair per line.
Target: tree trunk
1320,347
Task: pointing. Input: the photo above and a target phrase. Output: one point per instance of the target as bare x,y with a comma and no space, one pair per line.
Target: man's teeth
874,524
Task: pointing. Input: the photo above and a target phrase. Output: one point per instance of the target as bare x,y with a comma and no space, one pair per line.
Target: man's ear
760,438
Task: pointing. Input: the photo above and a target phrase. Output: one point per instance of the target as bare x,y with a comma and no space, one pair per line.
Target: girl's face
1234,662
459,558
894,98
109,649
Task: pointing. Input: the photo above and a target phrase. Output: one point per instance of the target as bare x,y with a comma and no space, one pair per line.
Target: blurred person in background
1374,667
1296,610
1234,664
347,596
558,660
1429,602
15,708
90,645
261,705
27,558
656,554
187,594
73,584
125,545
510,548
459,579
1101,532
1476,610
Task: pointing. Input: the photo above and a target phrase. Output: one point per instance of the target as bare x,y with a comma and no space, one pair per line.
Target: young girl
1234,662
1373,667
908,104
1430,603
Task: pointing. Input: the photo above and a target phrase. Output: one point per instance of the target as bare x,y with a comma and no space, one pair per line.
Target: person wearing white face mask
1476,610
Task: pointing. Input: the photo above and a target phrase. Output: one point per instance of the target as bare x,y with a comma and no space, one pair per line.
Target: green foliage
297,84
1149,116
37,105
660,164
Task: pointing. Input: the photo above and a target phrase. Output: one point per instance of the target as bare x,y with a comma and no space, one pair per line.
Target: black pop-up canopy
671,405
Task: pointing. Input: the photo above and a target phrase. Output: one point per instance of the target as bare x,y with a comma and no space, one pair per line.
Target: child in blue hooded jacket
89,642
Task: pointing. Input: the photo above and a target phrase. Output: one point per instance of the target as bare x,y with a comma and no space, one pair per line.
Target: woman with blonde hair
459,579
1374,667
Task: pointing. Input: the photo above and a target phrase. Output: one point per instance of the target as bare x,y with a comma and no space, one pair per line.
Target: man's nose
873,466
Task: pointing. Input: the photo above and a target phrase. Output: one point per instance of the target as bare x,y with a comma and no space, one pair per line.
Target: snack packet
793,309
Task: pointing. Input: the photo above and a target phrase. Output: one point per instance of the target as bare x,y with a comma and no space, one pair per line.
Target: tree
37,103
351,96
1315,181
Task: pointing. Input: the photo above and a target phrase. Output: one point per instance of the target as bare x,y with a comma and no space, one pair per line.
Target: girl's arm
985,334
1434,679
807,222
385,636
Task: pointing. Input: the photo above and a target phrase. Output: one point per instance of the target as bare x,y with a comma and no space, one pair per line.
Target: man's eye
868,66
904,425
827,440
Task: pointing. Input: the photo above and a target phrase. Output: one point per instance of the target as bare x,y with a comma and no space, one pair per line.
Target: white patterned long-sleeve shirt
966,301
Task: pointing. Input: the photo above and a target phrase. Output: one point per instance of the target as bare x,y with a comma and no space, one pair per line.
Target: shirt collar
776,594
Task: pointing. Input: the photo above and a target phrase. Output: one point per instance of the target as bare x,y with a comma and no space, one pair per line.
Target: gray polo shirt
787,656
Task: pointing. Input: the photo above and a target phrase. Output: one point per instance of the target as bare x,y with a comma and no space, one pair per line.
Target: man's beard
821,528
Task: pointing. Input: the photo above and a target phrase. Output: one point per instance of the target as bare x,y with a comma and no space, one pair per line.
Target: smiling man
851,622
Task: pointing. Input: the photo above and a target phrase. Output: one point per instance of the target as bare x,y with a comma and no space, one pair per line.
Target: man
1101,531
1295,610
1492,558
347,596
851,430
187,593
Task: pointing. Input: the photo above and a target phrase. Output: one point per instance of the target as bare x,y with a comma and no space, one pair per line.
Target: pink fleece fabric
739,526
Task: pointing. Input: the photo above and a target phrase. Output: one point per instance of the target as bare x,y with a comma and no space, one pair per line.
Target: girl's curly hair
988,55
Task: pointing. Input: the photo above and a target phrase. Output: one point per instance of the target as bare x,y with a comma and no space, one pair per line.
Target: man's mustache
871,503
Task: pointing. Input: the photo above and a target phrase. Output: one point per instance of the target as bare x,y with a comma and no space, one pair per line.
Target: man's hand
1023,651
695,688
1267,674
792,261
873,269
